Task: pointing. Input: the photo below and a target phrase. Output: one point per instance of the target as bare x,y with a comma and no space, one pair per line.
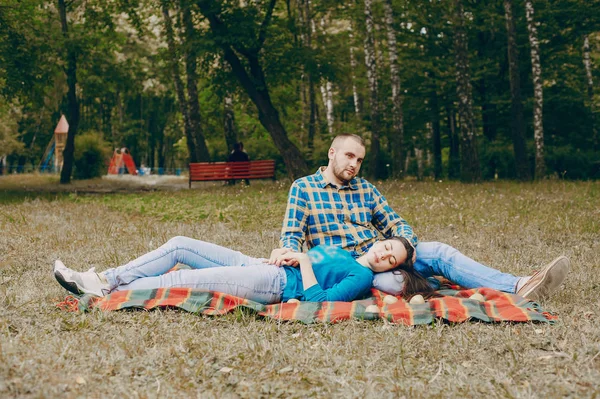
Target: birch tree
470,170
326,85
353,66
397,136
371,63
517,124
310,104
538,92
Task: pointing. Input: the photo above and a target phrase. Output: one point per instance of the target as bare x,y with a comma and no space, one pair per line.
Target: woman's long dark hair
414,283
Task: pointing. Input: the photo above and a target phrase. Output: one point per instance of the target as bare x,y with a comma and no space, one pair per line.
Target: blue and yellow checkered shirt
351,217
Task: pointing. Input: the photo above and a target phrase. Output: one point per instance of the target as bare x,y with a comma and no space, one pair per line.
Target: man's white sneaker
543,283
80,282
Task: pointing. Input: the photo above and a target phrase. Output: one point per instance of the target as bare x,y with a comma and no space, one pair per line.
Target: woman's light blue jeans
260,282
439,259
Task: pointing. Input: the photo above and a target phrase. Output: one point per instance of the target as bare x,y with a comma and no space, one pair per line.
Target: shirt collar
322,182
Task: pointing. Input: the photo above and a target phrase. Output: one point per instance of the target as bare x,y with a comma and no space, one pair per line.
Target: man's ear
331,153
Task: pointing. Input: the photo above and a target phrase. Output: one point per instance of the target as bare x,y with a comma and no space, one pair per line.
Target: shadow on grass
8,197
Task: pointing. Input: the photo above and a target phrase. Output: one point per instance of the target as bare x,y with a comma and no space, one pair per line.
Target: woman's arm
356,283
306,269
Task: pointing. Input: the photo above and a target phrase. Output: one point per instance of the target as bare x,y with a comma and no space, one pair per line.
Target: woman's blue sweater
339,277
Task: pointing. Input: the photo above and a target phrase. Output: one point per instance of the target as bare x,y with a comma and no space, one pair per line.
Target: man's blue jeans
439,259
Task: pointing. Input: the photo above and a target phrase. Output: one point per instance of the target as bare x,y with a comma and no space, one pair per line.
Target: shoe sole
67,285
554,275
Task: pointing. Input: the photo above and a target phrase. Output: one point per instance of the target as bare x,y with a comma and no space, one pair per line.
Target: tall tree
191,58
590,89
327,86
538,92
251,75
436,136
470,170
72,102
178,82
306,23
454,141
397,136
517,123
371,63
229,122
353,66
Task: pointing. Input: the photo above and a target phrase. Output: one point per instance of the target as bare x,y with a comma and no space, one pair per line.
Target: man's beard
338,172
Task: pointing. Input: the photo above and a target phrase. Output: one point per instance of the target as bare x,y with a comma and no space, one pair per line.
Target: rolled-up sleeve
388,222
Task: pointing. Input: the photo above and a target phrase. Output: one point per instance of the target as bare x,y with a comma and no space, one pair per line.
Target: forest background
449,89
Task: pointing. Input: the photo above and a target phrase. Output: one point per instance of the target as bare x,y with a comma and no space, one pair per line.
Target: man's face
346,159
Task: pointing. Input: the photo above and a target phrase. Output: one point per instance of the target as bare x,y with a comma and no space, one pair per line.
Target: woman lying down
325,273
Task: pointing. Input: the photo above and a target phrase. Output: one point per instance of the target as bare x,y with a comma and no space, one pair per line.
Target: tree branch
262,34
211,11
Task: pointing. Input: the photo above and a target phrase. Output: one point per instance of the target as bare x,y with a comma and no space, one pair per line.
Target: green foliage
91,156
573,163
126,89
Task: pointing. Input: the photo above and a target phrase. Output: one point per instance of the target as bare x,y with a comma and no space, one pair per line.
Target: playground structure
52,161
120,161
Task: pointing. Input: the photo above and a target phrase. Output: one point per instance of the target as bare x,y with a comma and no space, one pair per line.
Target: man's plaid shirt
351,217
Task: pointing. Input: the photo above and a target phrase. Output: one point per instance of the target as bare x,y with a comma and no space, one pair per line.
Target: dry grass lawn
517,227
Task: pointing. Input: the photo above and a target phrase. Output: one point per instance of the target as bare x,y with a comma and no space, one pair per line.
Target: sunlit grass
516,227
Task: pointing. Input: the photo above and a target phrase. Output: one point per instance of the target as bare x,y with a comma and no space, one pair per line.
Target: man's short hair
342,137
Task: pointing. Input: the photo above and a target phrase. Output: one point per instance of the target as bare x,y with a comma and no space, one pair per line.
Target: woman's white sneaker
80,282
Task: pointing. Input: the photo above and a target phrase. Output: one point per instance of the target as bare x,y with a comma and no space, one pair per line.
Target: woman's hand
296,257
285,257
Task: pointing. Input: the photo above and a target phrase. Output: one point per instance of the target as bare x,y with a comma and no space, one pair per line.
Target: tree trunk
590,90
253,82
179,90
397,137
435,129
72,103
192,85
327,90
229,123
354,90
328,95
488,108
454,157
311,105
517,125
538,93
470,170
371,63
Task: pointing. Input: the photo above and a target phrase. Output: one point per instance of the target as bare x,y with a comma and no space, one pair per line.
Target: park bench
211,171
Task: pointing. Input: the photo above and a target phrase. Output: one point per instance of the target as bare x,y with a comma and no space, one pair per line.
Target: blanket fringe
70,304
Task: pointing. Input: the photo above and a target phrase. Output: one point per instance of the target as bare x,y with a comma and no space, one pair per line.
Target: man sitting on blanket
335,207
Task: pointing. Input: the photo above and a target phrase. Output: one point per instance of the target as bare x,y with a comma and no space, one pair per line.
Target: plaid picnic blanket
450,305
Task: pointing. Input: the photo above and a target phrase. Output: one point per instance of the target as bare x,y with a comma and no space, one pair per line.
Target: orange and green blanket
451,305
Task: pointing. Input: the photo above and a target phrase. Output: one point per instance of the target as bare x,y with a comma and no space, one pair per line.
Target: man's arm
293,231
388,222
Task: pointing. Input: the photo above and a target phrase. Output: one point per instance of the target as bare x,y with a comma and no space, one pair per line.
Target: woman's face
386,255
